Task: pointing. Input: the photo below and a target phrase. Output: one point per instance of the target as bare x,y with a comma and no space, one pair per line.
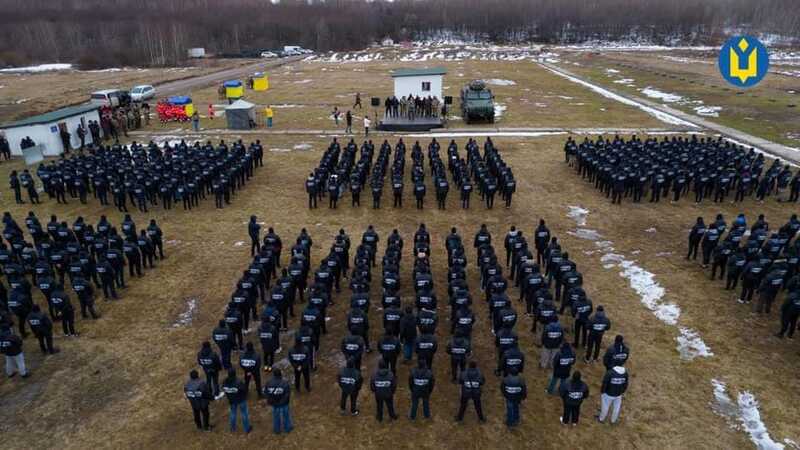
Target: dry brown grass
26,94
119,384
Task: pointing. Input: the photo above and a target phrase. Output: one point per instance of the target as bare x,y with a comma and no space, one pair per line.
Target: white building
419,82
45,129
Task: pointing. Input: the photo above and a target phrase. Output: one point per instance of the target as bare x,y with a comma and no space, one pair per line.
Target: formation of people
412,107
145,175
409,333
677,166
764,260
358,169
86,258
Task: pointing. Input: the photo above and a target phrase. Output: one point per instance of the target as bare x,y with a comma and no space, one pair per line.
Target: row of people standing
630,168
89,260
146,175
764,260
341,169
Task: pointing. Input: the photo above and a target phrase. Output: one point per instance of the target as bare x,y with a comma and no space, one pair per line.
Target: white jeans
16,363
546,357
607,401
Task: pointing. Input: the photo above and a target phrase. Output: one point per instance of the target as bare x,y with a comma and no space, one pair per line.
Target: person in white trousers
615,383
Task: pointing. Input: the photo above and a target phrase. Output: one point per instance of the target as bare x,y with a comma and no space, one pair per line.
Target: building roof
408,72
52,116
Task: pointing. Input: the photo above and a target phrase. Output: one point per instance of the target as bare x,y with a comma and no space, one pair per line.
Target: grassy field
768,110
25,94
303,95
119,384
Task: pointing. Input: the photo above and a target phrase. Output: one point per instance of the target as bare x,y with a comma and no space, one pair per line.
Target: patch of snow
663,254
303,81
625,81
662,116
691,346
303,146
280,150
708,111
743,415
238,244
22,100
286,105
499,109
185,317
37,69
663,96
578,214
612,70
500,82
650,230
173,242
583,233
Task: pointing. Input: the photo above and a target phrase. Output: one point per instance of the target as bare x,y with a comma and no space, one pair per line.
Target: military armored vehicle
477,103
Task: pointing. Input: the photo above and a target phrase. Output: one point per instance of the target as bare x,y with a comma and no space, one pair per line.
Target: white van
108,97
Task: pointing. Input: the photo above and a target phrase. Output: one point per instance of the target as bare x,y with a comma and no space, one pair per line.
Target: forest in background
106,33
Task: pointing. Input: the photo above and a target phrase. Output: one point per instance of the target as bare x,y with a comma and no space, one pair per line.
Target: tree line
103,33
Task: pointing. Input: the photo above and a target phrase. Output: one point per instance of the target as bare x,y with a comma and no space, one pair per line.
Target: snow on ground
36,69
708,111
612,70
500,82
743,415
303,81
651,293
662,116
185,317
499,109
286,105
238,244
303,146
663,96
625,81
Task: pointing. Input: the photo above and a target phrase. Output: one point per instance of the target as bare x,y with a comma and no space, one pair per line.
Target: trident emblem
751,68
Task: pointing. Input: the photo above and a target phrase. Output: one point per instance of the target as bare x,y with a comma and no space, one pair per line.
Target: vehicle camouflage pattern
477,103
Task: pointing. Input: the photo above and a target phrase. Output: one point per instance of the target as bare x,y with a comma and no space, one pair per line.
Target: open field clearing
29,93
700,364
132,361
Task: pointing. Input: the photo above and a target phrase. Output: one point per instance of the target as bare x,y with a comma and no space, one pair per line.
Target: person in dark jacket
198,394
615,383
300,358
278,394
237,398
790,311
250,362
269,335
42,328
573,393
223,337
408,333
420,383
389,348
695,236
384,384
562,366
617,354
596,326
209,361
350,381
254,230
11,348
514,391
459,349
471,381
552,337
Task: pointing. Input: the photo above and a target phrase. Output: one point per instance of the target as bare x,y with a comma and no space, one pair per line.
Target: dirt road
770,147
186,85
